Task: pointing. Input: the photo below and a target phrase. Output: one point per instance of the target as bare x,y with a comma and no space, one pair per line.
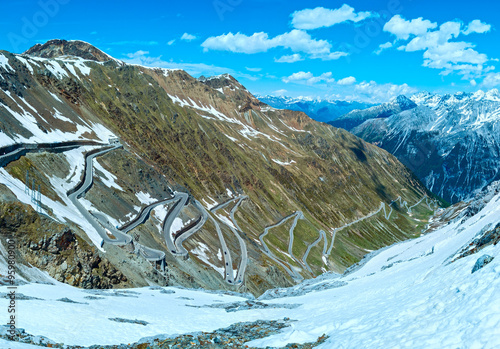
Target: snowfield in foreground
407,295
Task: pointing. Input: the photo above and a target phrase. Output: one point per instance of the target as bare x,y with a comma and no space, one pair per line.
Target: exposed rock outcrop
55,248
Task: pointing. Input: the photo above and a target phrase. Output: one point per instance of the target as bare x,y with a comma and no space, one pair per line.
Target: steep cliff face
450,142
213,139
55,248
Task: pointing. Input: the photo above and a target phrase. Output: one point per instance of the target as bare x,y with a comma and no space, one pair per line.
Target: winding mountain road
386,215
143,215
118,237
243,246
184,235
172,213
298,215
228,262
322,235
238,279
288,268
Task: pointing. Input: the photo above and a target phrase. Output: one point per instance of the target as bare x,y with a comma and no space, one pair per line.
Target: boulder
481,262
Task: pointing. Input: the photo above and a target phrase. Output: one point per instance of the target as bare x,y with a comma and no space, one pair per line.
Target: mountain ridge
448,140
319,109
76,48
384,110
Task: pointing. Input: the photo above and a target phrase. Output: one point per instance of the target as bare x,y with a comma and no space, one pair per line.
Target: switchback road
288,268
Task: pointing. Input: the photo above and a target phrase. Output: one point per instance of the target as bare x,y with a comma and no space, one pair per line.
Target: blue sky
366,50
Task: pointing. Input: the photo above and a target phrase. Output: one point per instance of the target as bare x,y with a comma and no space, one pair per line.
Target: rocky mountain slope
450,142
298,197
385,110
318,109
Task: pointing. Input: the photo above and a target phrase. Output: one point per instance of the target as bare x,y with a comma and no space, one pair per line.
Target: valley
149,208
208,151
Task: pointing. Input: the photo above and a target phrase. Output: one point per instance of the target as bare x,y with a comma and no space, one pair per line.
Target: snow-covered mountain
358,116
440,290
452,142
318,109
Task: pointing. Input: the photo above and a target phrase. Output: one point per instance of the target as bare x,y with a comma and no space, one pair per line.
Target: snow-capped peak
432,100
404,102
493,95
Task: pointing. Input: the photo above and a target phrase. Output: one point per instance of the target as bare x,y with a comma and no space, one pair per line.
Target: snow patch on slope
145,198
108,179
4,63
63,212
177,225
406,295
282,163
202,252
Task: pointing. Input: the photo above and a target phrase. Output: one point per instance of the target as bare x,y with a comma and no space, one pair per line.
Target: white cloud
473,82
402,28
444,34
323,17
348,89
373,92
476,26
440,51
240,43
347,81
295,40
369,92
188,37
383,47
137,54
253,69
134,42
298,76
308,78
332,56
491,80
289,59
141,57
281,92
171,42
451,53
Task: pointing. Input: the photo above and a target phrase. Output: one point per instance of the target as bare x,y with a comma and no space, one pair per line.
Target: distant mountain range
451,142
317,109
358,116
